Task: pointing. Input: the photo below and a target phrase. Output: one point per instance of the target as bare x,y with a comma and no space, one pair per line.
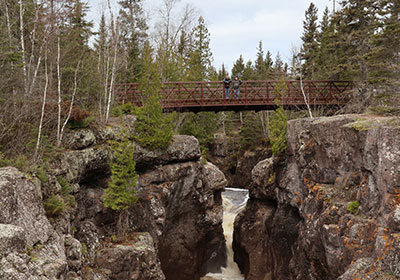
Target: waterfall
234,200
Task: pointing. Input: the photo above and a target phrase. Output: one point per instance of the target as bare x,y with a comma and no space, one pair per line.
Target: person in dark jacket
236,86
227,84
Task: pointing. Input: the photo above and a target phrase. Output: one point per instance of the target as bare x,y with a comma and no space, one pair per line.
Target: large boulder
78,139
181,148
30,249
133,261
21,205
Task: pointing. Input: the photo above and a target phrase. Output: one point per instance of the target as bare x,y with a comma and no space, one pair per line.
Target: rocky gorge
328,208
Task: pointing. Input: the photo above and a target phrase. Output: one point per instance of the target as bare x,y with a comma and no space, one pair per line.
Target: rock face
330,209
30,247
182,209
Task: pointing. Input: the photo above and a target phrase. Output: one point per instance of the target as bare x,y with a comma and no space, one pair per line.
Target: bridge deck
254,95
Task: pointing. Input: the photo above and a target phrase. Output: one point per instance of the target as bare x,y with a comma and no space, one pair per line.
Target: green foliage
66,190
200,56
310,44
84,249
202,125
121,191
203,156
277,129
54,205
124,109
251,131
352,207
4,161
154,129
281,88
42,174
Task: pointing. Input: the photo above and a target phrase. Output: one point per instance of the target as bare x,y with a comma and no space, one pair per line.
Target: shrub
121,191
124,109
353,206
42,174
54,205
66,190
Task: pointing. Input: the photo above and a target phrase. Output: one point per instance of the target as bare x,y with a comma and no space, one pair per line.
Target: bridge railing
203,94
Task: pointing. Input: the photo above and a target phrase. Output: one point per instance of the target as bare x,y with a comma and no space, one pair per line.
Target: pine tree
238,67
200,56
277,131
279,68
249,72
309,38
154,129
325,54
269,65
133,34
384,58
121,192
259,65
357,22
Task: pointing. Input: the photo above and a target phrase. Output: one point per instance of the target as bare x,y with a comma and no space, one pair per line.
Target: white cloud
237,26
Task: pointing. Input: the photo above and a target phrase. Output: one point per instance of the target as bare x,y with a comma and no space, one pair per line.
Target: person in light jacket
236,86
227,84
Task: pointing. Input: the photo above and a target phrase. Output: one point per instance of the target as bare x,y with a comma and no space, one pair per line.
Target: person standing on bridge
236,86
227,84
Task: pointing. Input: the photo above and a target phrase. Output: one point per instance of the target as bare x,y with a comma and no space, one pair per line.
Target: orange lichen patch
309,143
316,188
364,241
149,196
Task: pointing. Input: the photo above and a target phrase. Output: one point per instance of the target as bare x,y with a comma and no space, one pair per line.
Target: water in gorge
234,200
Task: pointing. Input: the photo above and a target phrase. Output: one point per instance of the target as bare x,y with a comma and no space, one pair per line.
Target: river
234,200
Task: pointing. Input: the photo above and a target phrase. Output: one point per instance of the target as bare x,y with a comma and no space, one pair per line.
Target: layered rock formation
330,208
173,232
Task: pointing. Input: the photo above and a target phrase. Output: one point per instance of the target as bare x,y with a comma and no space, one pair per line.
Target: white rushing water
234,200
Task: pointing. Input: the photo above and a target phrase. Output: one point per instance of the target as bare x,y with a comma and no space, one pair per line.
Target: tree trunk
43,109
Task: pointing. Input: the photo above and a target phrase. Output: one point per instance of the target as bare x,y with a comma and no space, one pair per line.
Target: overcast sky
236,27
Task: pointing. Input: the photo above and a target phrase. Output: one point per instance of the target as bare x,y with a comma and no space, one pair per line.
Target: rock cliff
329,209
173,232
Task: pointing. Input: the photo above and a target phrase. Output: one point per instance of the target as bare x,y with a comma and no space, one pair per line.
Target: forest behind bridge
58,71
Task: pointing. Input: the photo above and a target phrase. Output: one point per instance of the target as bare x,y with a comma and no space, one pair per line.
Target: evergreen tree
356,24
238,67
325,54
309,38
202,125
269,65
384,58
278,120
248,72
279,67
200,56
154,130
133,34
259,65
121,192
277,131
